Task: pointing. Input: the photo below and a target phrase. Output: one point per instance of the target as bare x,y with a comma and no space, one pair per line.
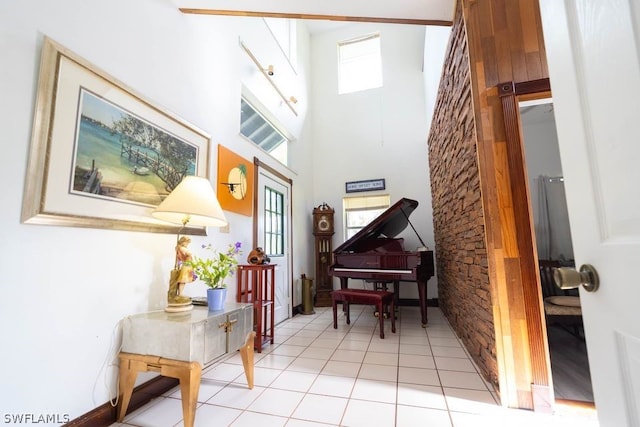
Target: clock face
323,220
323,224
239,181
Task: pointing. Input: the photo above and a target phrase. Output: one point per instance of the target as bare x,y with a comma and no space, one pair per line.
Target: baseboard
105,415
414,302
297,310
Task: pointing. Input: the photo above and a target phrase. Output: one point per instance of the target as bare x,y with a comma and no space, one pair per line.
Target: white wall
65,289
541,147
379,133
435,46
543,158
541,142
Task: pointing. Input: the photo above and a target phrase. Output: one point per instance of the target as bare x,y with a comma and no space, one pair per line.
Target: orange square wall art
235,182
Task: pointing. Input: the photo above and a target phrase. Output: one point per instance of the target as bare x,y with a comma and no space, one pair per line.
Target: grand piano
375,254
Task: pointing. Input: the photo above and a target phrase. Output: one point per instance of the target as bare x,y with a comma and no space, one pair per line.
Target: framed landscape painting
101,155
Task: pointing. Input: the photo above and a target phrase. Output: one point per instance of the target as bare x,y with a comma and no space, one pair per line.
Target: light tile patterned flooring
316,376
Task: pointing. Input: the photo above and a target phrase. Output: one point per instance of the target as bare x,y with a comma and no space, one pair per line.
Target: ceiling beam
263,14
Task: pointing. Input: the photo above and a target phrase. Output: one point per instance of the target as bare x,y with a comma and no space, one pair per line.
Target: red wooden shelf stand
256,285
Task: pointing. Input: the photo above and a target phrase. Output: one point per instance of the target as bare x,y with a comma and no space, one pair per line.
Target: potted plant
213,272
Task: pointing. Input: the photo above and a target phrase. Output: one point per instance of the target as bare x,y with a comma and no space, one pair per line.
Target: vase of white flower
213,272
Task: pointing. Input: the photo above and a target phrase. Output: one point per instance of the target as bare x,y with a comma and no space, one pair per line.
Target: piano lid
389,224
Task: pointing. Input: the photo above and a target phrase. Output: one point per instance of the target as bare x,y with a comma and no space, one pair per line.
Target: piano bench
380,299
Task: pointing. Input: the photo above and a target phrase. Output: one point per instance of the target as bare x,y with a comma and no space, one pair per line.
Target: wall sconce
231,185
292,99
268,73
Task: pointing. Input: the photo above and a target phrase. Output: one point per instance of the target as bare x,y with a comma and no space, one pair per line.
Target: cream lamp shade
194,202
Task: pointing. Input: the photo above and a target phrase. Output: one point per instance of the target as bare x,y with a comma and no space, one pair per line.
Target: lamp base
178,308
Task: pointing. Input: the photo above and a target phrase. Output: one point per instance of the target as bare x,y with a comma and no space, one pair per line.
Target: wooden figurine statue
181,274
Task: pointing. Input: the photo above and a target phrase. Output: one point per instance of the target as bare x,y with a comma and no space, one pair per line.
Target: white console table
180,345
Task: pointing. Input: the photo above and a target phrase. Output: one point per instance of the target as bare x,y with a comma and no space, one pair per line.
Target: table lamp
192,202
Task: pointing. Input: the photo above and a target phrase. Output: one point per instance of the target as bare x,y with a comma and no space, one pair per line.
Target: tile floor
316,376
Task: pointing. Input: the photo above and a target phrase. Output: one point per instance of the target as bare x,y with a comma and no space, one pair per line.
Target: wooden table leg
190,384
246,353
189,375
128,372
187,372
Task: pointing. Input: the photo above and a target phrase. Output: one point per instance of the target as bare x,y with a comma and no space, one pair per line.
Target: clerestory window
261,132
359,64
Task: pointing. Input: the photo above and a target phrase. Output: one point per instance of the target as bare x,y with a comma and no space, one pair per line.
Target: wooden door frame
511,93
260,164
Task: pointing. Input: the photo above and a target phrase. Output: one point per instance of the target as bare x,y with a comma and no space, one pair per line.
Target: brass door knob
569,278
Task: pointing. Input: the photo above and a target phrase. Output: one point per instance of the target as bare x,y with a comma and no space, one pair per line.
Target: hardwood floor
569,365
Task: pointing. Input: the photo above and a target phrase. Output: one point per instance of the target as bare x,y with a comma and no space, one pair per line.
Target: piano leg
422,295
396,294
344,284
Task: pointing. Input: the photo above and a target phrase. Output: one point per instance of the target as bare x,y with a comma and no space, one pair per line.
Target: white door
273,236
593,52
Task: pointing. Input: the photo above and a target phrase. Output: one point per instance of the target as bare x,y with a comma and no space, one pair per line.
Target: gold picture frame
103,156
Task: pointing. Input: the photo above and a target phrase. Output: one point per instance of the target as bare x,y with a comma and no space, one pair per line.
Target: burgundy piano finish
374,254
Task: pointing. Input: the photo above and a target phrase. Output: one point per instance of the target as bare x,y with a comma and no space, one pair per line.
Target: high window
360,64
261,132
360,211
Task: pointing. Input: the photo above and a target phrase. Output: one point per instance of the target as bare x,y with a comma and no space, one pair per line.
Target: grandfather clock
323,232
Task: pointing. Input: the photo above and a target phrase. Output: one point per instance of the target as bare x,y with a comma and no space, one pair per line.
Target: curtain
553,231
